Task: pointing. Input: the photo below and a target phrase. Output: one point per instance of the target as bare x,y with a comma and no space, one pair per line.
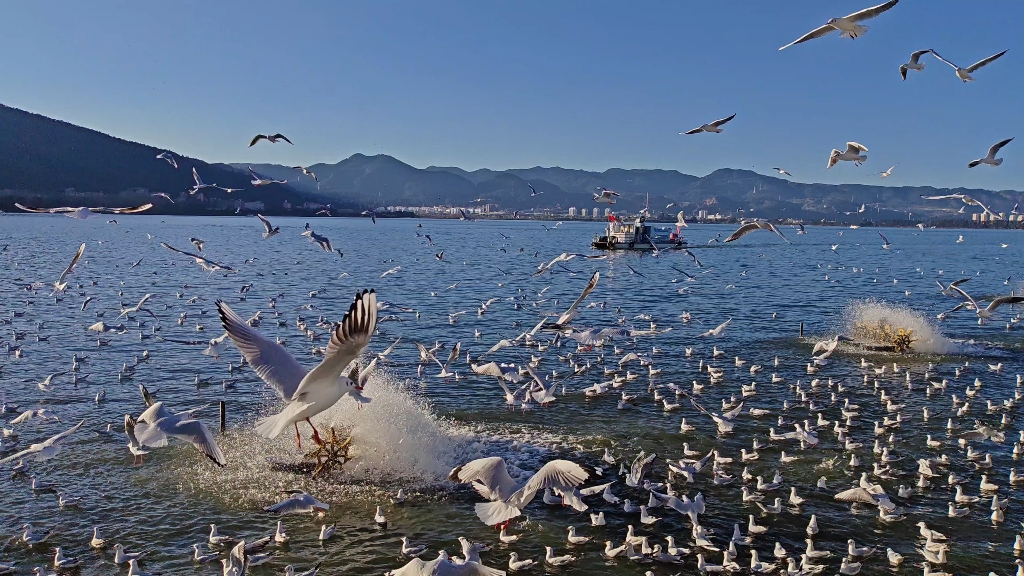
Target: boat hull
605,243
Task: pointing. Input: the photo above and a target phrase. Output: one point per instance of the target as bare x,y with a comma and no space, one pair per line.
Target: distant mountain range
385,181
51,162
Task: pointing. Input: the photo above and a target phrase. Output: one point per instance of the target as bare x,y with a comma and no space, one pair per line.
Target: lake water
416,429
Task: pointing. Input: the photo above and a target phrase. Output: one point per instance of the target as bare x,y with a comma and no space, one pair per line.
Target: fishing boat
635,234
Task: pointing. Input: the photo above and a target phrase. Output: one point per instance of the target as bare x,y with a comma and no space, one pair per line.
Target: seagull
966,200
990,158
714,127
205,263
61,284
272,139
888,172
717,331
748,228
570,314
322,241
308,393
199,182
852,153
306,172
154,426
986,312
169,157
44,450
914,63
261,180
298,502
847,24
138,450
533,191
781,171
271,230
137,308
490,478
83,212
606,196
885,241
965,73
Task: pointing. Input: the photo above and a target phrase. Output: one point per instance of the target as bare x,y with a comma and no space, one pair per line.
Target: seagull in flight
533,191
271,230
84,212
965,73
261,180
307,172
885,241
61,284
914,63
888,172
990,158
847,25
208,265
308,393
169,157
717,331
199,182
272,139
157,424
966,200
715,126
322,241
44,450
606,196
748,228
781,171
984,313
851,154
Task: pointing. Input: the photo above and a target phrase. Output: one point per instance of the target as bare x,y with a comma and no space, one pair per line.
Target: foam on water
397,441
928,339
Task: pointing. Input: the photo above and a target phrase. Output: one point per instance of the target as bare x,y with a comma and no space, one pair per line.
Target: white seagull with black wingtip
965,73
714,127
990,158
261,180
851,154
308,392
914,63
271,230
847,25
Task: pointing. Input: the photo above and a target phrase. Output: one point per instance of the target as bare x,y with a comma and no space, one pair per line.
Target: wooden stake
223,416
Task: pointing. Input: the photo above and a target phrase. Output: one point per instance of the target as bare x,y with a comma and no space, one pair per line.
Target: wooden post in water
801,329
223,416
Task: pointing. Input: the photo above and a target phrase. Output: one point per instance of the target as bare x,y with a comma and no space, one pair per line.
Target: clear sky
580,84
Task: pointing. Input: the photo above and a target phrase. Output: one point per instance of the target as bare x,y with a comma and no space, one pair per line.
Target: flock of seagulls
748,441
772,442
849,27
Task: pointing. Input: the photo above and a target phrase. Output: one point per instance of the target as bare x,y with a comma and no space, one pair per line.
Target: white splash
397,441
928,339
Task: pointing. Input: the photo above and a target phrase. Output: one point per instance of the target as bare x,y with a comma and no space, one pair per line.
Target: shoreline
940,224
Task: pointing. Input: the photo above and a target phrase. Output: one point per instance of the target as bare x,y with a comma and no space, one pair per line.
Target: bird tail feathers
491,513
272,426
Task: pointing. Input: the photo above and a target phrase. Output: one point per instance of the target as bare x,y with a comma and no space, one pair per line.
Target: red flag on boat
611,218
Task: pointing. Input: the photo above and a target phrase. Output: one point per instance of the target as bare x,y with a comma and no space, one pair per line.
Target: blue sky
587,85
